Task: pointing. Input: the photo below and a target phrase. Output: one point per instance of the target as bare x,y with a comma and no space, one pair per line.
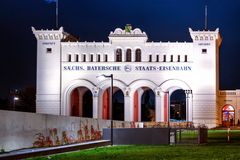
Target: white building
67,71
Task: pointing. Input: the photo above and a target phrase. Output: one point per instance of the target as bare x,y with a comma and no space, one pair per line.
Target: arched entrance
147,105
81,104
144,105
228,115
178,105
118,104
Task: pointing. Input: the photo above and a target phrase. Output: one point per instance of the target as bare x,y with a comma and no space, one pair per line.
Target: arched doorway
178,105
81,102
147,105
118,104
228,115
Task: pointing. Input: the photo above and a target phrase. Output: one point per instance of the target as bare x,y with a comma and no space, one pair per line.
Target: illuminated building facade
145,76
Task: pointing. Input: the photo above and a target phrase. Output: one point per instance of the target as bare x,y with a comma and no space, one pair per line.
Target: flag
54,1
50,1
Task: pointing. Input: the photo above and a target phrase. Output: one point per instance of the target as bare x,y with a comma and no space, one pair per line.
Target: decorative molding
118,32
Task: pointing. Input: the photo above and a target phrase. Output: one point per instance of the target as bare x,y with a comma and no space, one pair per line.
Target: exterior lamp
14,101
102,77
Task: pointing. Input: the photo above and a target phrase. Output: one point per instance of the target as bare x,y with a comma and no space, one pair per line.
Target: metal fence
189,135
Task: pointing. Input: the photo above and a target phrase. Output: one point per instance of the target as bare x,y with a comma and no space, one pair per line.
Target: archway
178,105
228,115
118,104
144,104
81,102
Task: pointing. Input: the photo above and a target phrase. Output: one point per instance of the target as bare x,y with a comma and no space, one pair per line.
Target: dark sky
92,20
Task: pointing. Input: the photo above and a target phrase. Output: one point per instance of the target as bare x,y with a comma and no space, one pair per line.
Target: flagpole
56,14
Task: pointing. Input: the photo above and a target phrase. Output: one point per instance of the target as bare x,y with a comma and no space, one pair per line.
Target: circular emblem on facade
128,68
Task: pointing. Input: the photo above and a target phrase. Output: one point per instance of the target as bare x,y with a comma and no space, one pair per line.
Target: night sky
92,20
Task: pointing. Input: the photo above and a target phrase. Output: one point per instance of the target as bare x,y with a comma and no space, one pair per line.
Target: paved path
26,153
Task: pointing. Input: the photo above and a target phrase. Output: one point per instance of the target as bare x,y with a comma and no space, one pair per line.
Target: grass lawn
217,148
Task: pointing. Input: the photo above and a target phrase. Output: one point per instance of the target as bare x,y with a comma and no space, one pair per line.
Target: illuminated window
150,58
228,115
49,50
171,60
138,55
185,58
157,58
118,55
178,58
128,55
204,51
164,58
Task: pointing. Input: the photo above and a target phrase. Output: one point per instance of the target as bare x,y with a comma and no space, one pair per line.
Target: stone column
162,94
140,93
158,106
128,105
189,107
95,102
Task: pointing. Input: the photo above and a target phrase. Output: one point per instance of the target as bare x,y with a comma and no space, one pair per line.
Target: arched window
178,59
84,57
98,58
228,115
91,57
76,58
105,58
150,58
157,58
185,58
171,60
164,58
128,55
69,58
138,55
118,55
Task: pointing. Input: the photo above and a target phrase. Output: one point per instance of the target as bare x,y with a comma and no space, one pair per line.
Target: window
185,58
84,58
118,55
98,58
164,58
106,58
128,55
150,58
171,60
49,50
204,51
69,58
178,58
138,55
91,57
157,58
77,59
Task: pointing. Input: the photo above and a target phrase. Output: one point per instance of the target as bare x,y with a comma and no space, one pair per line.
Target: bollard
228,136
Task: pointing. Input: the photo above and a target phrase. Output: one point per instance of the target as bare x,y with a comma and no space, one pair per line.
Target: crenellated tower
48,98
206,75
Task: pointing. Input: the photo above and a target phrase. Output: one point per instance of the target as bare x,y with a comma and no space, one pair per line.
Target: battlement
48,34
